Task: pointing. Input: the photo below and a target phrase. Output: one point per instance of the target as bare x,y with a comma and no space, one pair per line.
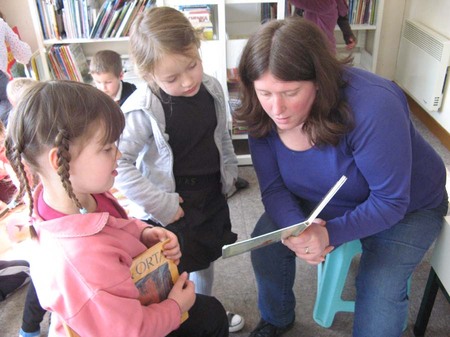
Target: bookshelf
365,17
232,23
367,30
242,18
60,27
219,52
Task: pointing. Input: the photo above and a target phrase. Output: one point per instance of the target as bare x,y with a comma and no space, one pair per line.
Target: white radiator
422,64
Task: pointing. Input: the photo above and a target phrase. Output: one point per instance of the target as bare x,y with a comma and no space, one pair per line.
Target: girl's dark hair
53,114
295,49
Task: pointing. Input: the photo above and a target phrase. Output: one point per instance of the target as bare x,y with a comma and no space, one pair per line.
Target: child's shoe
235,322
29,334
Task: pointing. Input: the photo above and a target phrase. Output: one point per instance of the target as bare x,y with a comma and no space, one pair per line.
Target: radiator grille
422,64
423,40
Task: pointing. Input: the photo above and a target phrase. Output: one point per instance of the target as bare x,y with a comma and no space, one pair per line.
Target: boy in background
107,72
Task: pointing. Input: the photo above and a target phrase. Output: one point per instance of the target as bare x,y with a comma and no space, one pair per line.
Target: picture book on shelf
154,275
79,62
283,233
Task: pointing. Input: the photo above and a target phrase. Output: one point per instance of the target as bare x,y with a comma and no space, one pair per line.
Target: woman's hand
313,244
171,249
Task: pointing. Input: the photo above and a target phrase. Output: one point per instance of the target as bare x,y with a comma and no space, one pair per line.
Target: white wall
434,14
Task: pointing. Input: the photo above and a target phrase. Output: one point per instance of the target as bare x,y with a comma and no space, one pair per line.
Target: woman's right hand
183,292
313,244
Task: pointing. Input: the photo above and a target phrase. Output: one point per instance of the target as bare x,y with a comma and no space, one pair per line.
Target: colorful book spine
138,9
126,18
101,16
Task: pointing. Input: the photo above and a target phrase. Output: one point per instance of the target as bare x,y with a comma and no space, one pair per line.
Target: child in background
13,90
21,52
178,161
84,240
7,187
325,14
344,24
107,72
16,87
13,275
33,313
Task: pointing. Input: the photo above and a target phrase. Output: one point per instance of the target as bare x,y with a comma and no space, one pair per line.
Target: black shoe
264,329
241,183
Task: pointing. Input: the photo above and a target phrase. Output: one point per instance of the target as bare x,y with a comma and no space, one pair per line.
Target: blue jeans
388,259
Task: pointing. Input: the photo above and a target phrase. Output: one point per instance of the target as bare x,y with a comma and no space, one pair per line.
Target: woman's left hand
153,235
313,244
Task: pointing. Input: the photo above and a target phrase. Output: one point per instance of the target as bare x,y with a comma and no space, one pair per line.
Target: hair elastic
31,221
13,204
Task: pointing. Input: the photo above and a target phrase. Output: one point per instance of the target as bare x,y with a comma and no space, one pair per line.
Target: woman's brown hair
294,49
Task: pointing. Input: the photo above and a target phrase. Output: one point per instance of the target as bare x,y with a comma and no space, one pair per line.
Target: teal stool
331,277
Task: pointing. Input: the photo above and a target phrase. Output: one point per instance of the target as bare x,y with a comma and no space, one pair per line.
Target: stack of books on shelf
68,62
84,19
268,11
66,18
116,16
362,12
35,68
201,17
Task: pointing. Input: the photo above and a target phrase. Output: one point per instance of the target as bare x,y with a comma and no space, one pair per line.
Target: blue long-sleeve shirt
391,169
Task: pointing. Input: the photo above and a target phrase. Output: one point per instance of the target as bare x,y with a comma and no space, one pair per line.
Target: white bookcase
242,18
234,21
365,53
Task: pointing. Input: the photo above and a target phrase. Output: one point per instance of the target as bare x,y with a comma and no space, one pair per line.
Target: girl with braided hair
66,133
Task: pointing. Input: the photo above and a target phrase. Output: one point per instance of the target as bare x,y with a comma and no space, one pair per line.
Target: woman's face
288,104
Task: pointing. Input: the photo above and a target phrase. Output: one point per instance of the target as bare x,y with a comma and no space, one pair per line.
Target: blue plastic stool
331,277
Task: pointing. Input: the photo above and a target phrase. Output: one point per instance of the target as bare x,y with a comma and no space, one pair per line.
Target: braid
62,143
14,155
48,117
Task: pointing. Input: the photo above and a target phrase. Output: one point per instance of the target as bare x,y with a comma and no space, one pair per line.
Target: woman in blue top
313,119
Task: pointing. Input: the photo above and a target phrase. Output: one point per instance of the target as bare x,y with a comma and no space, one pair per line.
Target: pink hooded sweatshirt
81,270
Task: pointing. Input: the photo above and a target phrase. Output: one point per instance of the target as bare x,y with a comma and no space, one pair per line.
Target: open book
283,233
154,275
